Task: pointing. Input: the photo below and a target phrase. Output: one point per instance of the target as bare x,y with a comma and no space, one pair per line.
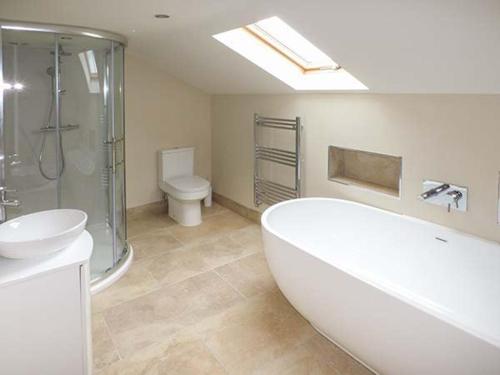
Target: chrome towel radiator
265,189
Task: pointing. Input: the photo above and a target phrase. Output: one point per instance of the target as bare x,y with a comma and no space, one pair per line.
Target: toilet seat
186,187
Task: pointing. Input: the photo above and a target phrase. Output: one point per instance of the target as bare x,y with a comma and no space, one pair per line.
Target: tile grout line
108,329
149,232
219,361
212,269
183,247
160,285
231,285
188,246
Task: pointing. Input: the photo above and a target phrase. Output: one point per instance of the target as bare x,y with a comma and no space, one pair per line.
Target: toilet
184,190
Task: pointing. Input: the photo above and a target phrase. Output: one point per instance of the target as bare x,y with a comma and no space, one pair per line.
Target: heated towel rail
265,190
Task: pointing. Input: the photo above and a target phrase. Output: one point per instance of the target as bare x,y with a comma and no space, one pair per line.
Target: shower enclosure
62,132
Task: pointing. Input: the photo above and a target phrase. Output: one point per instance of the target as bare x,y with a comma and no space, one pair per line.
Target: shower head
51,70
62,52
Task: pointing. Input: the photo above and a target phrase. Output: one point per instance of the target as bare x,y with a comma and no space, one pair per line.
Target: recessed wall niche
378,172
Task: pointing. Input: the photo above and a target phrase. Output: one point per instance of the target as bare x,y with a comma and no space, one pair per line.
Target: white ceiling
392,46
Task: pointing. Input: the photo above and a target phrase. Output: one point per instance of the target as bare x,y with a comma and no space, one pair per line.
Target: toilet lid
188,184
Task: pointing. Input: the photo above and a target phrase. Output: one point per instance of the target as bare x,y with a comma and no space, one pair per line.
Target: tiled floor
202,301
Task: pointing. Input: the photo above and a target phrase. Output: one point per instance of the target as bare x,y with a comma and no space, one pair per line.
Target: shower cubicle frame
120,265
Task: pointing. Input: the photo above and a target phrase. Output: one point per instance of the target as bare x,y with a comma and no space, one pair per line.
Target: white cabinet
45,313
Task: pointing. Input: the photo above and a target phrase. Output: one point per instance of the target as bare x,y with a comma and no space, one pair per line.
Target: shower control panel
453,197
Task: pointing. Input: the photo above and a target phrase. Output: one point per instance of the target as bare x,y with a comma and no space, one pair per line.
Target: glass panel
84,128
29,113
58,148
119,133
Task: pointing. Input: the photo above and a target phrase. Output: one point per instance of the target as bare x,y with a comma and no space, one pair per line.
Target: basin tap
4,202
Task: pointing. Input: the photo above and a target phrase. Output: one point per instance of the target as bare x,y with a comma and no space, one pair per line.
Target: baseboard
246,212
148,207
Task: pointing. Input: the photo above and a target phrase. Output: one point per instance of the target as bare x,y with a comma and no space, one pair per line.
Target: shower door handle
113,143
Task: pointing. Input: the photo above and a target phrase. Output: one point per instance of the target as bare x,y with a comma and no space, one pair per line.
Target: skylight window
281,51
89,66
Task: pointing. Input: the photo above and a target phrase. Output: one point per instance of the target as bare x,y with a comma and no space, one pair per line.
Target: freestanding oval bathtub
404,296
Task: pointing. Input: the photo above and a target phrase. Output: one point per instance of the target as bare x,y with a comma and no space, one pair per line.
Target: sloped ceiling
392,46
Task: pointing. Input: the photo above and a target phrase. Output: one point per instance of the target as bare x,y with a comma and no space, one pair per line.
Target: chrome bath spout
436,191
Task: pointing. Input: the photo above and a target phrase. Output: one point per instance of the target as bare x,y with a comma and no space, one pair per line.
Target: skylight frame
286,48
278,58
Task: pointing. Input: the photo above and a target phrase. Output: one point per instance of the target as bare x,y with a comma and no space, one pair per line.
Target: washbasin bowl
40,233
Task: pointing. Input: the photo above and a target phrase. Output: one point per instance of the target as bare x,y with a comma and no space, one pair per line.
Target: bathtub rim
406,296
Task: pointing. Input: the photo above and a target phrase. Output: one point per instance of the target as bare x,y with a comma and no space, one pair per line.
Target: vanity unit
45,312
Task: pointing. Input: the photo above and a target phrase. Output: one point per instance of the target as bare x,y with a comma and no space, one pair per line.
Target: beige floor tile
171,357
125,367
136,282
316,356
150,208
144,220
170,315
249,236
324,350
212,226
153,243
190,260
297,362
254,332
154,317
215,209
190,359
104,351
249,275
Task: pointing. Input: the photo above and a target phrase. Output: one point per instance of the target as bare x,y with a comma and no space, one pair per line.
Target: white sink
40,233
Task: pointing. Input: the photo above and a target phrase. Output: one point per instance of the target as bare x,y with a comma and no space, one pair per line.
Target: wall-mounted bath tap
434,191
444,194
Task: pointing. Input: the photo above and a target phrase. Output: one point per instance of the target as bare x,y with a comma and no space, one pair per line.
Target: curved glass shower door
29,149
63,138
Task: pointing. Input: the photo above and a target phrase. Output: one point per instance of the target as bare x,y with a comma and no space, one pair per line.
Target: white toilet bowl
184,190
184,194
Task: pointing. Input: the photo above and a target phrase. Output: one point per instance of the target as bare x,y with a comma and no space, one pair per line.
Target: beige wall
451,138
160,112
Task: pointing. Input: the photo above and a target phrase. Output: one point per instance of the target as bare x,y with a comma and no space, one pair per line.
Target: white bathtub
404,296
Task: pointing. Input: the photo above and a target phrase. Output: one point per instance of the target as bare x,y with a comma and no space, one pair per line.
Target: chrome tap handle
4,202
4,189
10,203
455,195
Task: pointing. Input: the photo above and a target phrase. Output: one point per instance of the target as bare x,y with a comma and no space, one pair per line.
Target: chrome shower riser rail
270,192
